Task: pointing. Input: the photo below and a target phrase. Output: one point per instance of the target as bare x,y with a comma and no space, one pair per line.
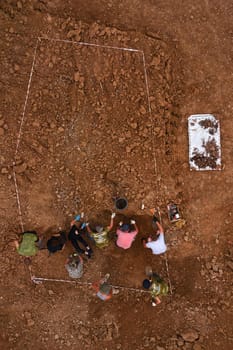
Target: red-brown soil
81,129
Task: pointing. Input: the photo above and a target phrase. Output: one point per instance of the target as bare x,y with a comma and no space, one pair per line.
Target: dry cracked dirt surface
84,123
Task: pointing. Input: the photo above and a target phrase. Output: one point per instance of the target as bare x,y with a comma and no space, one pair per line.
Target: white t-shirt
158,246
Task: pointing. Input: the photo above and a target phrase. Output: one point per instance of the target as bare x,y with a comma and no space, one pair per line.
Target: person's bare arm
72,223
160,227
88,227
133,222
111,221
16,244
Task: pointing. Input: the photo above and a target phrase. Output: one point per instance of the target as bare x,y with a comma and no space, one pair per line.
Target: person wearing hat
157,245
126,234
74,265
75,236
101,236
156,286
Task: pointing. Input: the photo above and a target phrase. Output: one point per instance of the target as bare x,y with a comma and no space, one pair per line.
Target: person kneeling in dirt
29,245
126,234
74,265
157,245
101,236
75,236
103,289
156,286
56,242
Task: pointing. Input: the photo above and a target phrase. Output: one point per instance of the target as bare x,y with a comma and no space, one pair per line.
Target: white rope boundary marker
166,259
37,280
19,138
39,39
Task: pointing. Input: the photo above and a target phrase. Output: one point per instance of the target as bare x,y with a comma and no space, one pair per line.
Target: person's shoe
88,254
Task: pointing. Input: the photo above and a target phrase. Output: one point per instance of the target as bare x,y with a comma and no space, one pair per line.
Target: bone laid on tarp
204,142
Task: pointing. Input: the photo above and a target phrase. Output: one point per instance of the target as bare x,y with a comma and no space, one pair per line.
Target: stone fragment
52,125
74,34
133,125
27,315
180,342
142,110
121,139
230,265
16,67
189,335
1,122
19,5
2,131
84,331
197,347
20,168
4,171
76,76
157,129
30,322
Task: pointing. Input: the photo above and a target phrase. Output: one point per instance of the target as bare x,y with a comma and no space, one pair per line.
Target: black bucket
121,203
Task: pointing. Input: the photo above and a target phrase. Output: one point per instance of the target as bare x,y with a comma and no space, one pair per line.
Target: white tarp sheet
204,142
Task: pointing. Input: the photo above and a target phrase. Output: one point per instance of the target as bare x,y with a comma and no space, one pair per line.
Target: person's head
125,228
77,224
99,229
74,260
146,283
153,237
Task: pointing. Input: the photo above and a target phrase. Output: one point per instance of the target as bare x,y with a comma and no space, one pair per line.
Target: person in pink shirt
126,234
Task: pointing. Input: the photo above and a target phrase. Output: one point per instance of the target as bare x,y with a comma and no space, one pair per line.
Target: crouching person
76,238
103,289
157,245
28,245
126,234
101,234
56,242
157,288
74,265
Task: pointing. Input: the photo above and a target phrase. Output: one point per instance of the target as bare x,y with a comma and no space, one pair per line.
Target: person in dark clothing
75,236
56,242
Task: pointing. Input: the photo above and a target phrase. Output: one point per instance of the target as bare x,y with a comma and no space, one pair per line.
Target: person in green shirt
157,288
101,236
27,247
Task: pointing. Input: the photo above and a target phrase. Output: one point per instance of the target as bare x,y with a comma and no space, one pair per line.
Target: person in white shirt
158,246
